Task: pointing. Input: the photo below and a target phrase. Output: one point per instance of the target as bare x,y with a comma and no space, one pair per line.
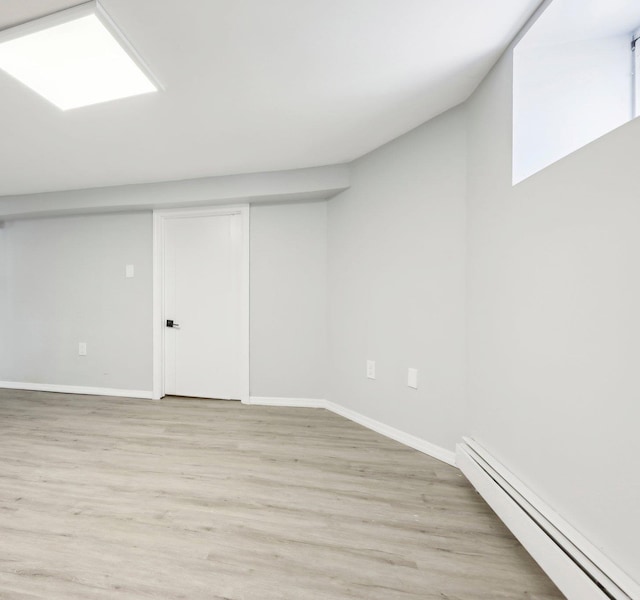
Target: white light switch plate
129,271
371,369
82,348
412,378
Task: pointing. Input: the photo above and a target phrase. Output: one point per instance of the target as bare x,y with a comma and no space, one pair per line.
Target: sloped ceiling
252,86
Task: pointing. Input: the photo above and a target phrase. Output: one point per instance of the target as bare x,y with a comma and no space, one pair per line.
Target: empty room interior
319,299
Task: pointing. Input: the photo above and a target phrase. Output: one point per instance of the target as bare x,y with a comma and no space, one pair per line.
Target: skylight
74,58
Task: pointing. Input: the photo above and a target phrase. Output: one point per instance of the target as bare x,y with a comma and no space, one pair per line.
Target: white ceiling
253,85
15,12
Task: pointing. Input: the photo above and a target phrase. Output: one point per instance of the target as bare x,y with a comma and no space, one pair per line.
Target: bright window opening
573,80
636,73
74,58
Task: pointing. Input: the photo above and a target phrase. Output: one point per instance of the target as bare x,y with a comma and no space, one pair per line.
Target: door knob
171,323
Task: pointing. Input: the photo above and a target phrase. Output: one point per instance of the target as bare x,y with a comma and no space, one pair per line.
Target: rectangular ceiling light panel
74,58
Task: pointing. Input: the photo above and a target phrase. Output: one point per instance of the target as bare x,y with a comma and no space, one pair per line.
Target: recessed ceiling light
74,58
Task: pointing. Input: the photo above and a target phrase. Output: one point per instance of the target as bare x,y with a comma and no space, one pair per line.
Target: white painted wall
66,284
62,281
288,300
4,290
554,291
567,95
397,283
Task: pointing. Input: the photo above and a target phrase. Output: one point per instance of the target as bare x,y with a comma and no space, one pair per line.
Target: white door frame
159,219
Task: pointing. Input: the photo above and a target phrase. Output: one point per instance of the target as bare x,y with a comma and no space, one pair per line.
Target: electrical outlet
412,378
82,348
371,369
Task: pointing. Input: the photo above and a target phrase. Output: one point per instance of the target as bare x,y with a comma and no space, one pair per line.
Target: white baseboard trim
398,435
76,389
291,402
578,568
407,439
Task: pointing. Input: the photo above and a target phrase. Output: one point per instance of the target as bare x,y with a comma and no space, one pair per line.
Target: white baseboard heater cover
580,570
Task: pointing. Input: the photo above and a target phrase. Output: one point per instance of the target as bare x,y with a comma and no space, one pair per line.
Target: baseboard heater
578,568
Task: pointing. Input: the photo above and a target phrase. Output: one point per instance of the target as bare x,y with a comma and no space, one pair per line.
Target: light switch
129,271
82,348
412,378
371,369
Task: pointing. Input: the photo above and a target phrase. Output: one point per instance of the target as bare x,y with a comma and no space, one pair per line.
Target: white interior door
202,267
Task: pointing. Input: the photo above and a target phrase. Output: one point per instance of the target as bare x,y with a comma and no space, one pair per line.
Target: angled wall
397,283
518,305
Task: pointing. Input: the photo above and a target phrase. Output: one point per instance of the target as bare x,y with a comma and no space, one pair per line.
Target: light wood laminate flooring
111,498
